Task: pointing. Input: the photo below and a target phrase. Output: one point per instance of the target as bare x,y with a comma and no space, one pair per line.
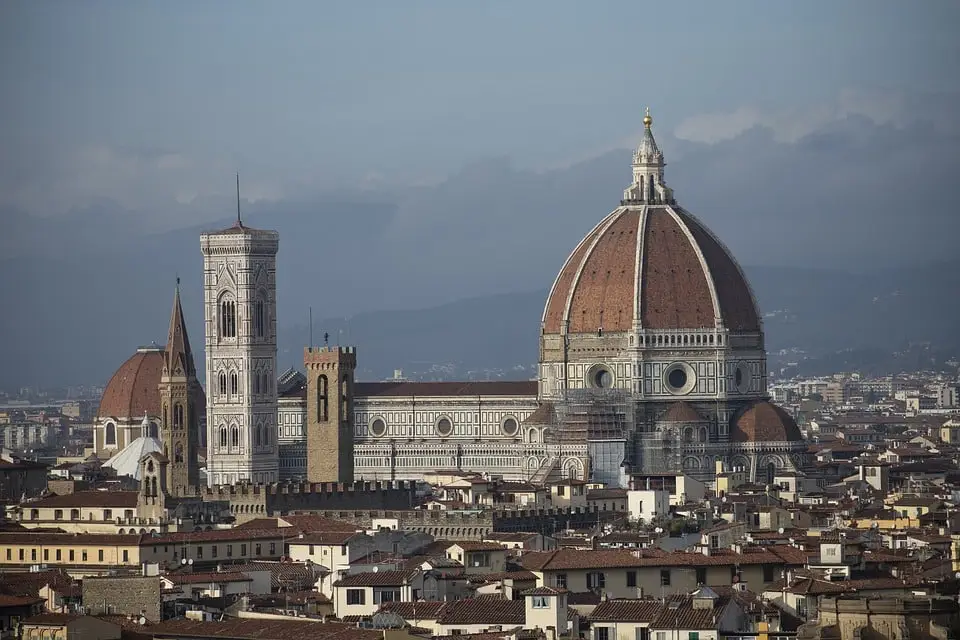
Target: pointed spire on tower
178,358
145,426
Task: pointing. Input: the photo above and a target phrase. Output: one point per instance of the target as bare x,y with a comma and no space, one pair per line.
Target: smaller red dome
134,390
680,412
765,422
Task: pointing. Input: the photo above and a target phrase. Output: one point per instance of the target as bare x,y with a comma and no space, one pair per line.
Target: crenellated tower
240,311
180,415
329,420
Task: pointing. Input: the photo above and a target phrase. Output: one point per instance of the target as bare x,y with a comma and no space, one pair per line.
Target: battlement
473,524
306,488
338,355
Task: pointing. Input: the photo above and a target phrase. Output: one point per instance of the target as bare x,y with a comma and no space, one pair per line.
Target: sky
145,104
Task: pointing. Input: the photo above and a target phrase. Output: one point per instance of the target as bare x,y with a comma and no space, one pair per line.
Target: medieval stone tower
180,421
240,303
329,418
151,500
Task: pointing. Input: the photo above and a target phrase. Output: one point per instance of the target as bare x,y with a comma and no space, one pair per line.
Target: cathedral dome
134,390
764,422
650,265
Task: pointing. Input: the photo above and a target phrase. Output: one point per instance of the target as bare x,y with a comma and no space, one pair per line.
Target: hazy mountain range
858,211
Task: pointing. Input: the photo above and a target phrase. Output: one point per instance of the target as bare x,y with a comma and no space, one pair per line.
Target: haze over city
442,152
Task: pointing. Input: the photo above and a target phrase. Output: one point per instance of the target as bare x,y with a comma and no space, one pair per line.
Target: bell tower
240,310
330,379
180,420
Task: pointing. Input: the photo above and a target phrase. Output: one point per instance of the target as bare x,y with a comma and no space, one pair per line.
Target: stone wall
128,595
66,487
887,618
248,502
475,525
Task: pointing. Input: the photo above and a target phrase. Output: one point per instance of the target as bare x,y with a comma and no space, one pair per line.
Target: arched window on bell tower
228,318
178,416
345,398
259,318
222,379
322,399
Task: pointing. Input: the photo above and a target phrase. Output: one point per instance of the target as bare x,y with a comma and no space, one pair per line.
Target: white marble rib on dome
127,461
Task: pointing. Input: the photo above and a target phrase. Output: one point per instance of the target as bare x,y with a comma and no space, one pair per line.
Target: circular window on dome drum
378,428
741,377
444,427
510,427
679,378
600,377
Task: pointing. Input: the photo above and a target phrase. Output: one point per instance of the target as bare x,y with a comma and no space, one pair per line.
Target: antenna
239,223
311,327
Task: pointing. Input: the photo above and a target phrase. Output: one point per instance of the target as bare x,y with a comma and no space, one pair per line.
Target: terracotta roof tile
481,611
557,301
116,499
422,610
737,305
468,545
546,414
19,601
679,613
255,629
93,539
603,295
213,535
207,577
324,538
573,559
675,292
626,611
374,579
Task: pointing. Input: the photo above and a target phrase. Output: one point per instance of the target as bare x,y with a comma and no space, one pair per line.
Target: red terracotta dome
657,265
764,422
133,391
650,265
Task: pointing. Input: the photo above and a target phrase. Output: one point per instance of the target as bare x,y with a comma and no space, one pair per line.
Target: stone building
240,313
123,595
652,361
905,618
154,402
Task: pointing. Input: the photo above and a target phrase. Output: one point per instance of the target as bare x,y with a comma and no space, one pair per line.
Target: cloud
791,124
